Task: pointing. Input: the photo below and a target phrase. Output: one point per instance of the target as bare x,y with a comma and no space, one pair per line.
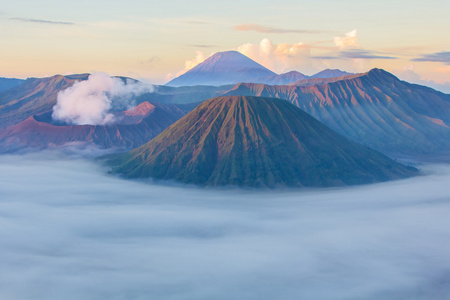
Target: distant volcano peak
230,61
232,67
223,68
229,56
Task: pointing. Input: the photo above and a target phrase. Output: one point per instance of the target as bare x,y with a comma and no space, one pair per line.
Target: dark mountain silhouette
251,141
374,108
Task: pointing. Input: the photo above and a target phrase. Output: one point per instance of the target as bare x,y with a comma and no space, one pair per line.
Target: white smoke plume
90,101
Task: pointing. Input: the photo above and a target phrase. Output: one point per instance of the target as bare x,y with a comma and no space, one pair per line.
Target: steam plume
90,101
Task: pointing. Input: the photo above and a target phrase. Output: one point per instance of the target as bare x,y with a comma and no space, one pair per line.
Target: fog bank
69,231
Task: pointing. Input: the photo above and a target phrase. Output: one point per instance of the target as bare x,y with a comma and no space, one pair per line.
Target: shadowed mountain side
133,128
250,141
285,78
374,108
8,83
38,95
320,81
184,94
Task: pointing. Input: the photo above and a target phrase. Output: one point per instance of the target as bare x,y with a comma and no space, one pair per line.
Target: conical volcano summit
253,142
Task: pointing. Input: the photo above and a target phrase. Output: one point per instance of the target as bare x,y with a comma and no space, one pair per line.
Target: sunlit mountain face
374,108
253,141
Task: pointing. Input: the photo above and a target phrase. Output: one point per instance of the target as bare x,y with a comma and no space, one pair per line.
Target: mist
70,231
91,101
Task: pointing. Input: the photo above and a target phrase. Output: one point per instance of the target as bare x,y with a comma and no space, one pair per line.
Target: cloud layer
191,63
279,57
43,21
363,54
345,53
70,232
409,74
443,57
350,40
90,101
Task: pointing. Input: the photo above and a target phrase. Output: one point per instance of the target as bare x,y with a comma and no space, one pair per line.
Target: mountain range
133,128
374,108
34,96
232,67
255,141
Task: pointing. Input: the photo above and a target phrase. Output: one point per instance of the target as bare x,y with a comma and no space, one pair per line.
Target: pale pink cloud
278,57
410,74
191,63
350,40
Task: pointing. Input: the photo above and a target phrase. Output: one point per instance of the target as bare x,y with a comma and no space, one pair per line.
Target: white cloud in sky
278,57
350,40
283,57
343,52
191,63
409,74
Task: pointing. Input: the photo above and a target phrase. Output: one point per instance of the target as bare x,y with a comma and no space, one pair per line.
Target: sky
70,231
158,40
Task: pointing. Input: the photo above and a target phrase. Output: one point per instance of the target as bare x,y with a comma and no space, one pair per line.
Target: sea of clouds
70,231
